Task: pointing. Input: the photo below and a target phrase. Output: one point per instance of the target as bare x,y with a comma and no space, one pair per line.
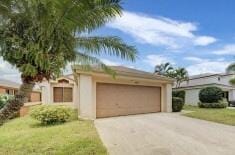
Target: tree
231,69
40,37
180,74
163,69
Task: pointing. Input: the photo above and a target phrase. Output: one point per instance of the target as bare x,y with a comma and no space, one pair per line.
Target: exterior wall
192,96
87,87
48,95
87,108
232,95
167,104
35,97
2,91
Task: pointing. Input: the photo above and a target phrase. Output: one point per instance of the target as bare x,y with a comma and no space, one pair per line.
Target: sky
198,35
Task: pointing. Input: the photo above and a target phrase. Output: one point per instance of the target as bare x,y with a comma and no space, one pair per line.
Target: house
97,94
11,88
195,83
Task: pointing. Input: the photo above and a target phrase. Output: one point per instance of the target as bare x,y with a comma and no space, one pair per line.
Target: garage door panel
118,99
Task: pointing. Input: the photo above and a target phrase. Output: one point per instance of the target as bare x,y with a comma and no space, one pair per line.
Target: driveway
165,134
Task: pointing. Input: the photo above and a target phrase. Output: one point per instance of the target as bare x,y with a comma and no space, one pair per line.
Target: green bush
4,98
180,94
220,104
177,104
210,95
51,114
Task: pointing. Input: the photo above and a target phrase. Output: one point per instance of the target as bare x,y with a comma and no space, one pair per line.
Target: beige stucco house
97,94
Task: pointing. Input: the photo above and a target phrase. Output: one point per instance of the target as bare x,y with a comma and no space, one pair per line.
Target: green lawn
23,136
225,116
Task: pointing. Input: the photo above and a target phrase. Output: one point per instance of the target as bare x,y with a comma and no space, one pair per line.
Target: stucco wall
86,109
2,90
87,92
192,96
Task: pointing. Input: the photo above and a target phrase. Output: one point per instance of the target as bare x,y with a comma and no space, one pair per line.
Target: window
10,91
63,94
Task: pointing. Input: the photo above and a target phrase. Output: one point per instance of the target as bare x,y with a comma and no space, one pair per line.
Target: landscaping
225,116
27,136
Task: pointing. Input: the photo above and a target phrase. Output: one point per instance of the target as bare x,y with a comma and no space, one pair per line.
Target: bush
220,104
180,94
4,98
210,95
51,114
177,104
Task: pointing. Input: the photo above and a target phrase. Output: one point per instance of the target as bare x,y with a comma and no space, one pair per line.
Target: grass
224,116
26,136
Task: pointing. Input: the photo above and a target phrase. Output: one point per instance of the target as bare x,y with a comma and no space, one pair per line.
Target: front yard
225,116
26,136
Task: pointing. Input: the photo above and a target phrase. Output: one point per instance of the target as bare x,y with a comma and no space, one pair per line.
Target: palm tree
40,37
180,74
163,69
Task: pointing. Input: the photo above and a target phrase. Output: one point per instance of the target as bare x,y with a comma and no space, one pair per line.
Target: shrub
4,98
220,104
51,114
210,95
177,104
180,94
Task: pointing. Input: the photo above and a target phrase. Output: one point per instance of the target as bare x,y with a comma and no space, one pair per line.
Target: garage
129,92
121,99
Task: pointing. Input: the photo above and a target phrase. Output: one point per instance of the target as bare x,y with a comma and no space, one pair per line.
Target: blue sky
196,34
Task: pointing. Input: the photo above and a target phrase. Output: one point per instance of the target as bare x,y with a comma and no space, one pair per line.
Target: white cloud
8,72
194,59
154,60
160,31
226,50
208,66
204,40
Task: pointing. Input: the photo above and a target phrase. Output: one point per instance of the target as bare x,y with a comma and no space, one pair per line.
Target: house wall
87,91
35,97
2,90
48,93
192,96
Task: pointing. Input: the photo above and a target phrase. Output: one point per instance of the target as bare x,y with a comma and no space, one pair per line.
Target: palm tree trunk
12,108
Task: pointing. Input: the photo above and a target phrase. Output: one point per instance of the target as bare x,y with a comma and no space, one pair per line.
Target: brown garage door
117,99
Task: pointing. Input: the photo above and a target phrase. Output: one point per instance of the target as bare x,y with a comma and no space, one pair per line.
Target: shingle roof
122,70
8,83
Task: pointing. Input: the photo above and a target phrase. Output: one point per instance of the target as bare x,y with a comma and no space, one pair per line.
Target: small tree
163,69
40,37
231,69
180,74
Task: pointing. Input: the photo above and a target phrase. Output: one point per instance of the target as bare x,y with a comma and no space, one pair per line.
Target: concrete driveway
165,134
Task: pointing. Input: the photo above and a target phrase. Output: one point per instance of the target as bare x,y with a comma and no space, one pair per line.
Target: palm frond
86,62
112,46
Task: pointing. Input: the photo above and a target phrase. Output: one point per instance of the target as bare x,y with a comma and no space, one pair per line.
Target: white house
197,82
97,94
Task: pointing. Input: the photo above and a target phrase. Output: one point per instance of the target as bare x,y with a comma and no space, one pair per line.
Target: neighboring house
195,83
11,88
97,94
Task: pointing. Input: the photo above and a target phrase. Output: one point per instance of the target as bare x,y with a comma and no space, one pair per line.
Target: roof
125,71
205,75
9,84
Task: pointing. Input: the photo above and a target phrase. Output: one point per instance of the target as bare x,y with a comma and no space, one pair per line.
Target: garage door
117,100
